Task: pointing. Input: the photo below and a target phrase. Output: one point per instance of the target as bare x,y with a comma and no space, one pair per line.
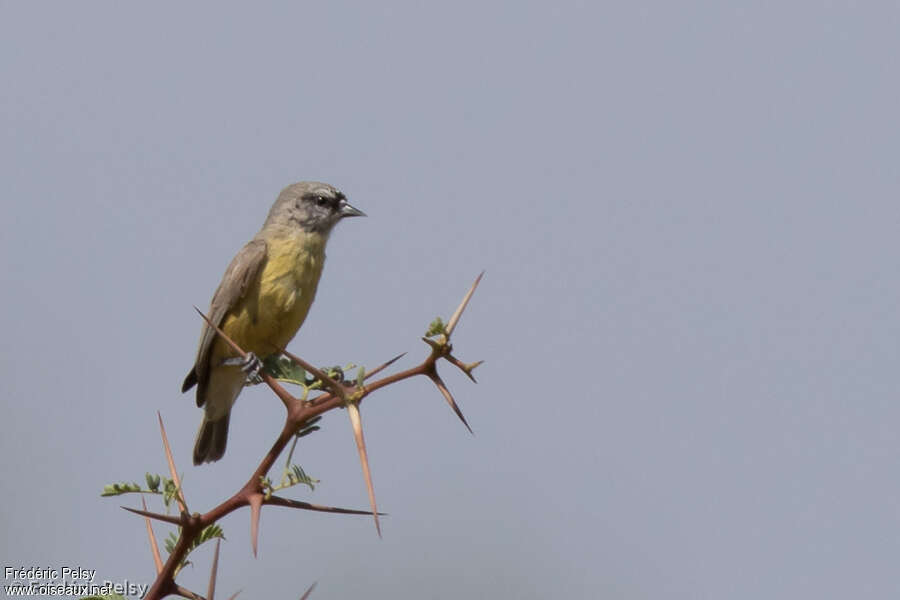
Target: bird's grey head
312,206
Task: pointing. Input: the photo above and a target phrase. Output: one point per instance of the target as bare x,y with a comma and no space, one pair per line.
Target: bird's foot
250,365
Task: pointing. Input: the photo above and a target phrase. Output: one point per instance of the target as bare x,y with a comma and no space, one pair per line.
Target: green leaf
298,476
209,532
283,369
153,482
436,327
170,491
310,427
117,489
266,484
171,540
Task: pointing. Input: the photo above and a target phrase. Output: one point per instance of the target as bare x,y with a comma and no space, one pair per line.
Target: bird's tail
211,439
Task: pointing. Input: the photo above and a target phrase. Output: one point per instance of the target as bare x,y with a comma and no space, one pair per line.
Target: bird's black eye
321,201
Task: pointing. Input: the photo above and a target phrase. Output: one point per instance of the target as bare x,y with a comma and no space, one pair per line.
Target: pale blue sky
688,215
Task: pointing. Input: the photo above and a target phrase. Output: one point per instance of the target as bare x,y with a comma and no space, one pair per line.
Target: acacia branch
299,413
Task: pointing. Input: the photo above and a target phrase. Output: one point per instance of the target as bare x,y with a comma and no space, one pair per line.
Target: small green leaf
153,482
117,489
436,327
310,427
298,475
209,532
171,540
170,491
266,484
283,368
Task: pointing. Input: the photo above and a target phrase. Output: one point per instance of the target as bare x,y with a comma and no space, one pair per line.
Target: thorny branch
300,413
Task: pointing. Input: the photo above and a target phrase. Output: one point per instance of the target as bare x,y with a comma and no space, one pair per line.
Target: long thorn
384,366
154,547
157,516
308,591
288,503
222,334
356,422
467,369
179,494
186,593
449,398
451,324
256,501
211,590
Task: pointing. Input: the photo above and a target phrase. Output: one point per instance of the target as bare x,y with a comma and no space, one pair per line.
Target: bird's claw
250,365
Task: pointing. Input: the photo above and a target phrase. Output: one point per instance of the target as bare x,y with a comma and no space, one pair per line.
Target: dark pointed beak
350,211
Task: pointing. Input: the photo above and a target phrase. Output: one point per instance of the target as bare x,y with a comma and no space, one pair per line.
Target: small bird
262,301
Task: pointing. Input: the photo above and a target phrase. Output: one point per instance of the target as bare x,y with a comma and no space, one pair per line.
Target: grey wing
244,268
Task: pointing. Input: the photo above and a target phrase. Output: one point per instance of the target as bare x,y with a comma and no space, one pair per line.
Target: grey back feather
244,268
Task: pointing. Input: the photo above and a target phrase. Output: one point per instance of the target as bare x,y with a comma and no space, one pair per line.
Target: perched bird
262,301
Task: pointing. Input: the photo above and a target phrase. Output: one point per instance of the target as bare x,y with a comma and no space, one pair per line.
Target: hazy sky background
688,214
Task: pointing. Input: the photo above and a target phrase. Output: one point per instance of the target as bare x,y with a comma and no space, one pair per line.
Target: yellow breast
277,302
